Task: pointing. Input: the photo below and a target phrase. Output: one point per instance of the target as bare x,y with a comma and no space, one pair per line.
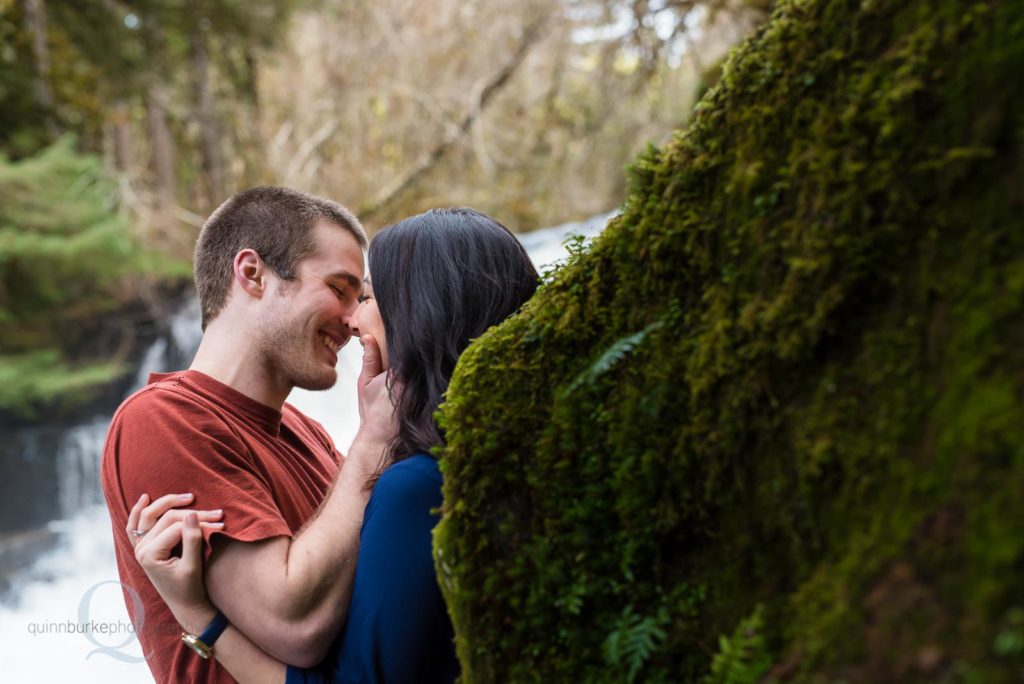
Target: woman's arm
180,583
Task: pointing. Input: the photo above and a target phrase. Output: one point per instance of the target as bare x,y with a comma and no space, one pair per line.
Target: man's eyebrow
350,278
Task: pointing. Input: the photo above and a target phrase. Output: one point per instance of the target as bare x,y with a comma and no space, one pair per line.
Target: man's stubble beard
289,354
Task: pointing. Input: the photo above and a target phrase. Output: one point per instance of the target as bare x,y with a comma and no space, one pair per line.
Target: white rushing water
65,619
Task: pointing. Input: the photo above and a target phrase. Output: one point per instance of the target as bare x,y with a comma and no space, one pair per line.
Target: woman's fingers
153,511
156,549
133,516
191,543
151,549
377,411
178,515
372,363
152,519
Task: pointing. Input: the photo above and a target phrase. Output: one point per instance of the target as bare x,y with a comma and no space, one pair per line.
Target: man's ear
251,272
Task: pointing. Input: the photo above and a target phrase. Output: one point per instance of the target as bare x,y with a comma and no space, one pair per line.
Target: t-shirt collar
227,396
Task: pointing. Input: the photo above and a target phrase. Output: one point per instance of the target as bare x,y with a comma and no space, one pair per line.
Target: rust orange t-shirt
186,432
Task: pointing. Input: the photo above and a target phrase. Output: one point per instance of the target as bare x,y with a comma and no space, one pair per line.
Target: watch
203,644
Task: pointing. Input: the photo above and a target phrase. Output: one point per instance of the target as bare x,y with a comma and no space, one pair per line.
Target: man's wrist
366,441
366,455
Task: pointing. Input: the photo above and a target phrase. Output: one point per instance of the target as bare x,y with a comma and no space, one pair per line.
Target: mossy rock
769,426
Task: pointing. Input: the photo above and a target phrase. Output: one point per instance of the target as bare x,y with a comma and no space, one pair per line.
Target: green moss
790,374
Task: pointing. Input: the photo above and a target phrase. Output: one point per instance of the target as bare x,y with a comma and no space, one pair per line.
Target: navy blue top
398,628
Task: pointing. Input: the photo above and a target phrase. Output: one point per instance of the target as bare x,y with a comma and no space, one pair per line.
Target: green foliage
613,355
65,257
1010,640
45,377
20,114
633,641
743,657
822,413
102,53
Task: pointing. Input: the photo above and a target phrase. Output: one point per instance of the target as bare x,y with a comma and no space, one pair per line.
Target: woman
439,280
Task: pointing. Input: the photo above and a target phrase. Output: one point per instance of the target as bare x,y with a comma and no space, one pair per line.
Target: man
279,274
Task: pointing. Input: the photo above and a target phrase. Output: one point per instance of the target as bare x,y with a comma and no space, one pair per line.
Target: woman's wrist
195,620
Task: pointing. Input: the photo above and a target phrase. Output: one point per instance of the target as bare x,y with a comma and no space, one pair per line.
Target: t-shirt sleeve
397,615
167,443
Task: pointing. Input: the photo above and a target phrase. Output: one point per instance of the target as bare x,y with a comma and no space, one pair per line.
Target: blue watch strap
214,629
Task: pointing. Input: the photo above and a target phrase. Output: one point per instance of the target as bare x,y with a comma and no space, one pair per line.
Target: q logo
113,651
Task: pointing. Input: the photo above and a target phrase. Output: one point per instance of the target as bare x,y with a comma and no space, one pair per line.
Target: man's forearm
321,560
291,596
242,658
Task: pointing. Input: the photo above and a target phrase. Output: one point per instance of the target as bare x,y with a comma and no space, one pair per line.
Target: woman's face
366,321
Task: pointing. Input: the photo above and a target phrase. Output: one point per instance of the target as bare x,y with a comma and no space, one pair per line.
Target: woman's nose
351,320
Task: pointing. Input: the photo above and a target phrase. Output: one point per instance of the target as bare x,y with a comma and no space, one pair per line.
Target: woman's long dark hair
440,280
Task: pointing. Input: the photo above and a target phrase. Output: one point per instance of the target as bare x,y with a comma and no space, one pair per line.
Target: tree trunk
35,20
162,145
206,115
124,147
157,99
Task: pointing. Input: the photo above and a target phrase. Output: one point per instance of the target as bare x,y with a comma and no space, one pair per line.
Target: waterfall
78,468
152,362
186,333
79,447
546,246
70,580
175,349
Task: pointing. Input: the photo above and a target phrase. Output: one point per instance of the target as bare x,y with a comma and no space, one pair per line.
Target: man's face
306,321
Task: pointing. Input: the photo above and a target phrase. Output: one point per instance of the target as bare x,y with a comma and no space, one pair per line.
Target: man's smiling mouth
330,342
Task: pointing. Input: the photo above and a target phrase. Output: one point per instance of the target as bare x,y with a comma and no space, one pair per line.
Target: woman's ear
250,272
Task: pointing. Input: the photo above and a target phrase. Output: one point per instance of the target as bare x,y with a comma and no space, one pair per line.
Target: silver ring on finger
138,533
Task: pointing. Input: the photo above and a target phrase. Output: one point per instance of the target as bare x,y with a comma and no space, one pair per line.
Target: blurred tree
392,104
158,84
526,109
65,256
398,110
20,110
35,23
152,85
